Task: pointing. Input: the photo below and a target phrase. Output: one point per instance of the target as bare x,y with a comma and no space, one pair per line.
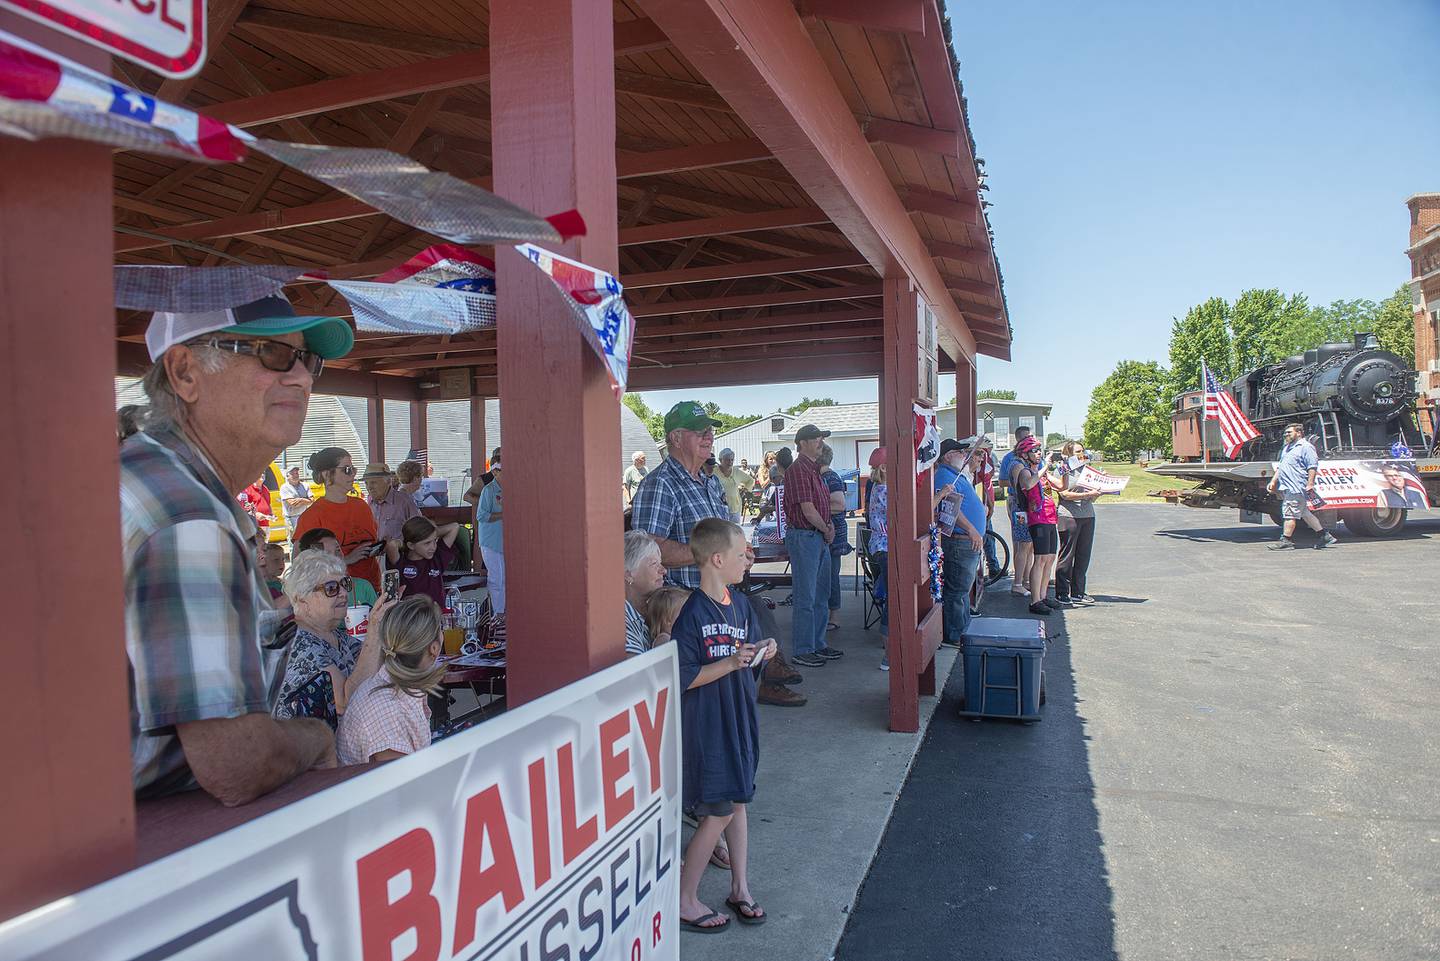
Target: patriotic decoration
435,202
936,563
1235,428
45,95
927,438
420,455
444,289
1401,450
595,297
197,289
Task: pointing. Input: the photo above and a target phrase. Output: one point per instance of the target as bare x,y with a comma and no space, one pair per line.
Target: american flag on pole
1235,427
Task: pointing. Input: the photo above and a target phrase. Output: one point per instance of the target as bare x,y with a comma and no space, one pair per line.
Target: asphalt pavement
1237,761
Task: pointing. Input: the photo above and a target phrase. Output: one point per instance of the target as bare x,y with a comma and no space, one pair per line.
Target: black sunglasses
273,354
334,588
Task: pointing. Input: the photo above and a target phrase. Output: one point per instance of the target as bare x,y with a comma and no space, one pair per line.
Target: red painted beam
904,16
733,341
758,55
970,286
742,301
697,157
745,372
728,224
743,322
440,73
751,268
947,143
966,210
979,256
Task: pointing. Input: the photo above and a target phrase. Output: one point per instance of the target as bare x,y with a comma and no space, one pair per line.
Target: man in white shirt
294,497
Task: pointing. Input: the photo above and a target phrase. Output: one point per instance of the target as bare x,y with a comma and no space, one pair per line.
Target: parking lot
1238,760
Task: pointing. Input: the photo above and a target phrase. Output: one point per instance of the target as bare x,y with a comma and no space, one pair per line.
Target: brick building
1424,253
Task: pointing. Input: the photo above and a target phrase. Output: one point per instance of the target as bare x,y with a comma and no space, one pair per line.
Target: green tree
812,402
993,394
728,421
1254,321
1394,323
1204,333
654,421
1130,410
1054,440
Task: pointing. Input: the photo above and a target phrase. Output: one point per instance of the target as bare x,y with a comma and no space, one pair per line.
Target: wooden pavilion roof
734,272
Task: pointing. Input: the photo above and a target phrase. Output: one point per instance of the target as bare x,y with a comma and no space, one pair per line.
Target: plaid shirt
803,485
196,609
381,718
669,503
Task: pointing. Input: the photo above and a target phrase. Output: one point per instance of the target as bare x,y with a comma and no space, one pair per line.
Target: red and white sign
168,36
551,831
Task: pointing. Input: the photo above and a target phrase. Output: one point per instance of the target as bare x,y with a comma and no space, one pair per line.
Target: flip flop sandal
721,863
745,911
699,926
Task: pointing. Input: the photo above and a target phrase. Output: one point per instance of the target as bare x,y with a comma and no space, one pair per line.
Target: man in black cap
807,539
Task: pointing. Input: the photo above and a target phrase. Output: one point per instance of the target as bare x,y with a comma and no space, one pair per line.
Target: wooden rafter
295,24
756,268
741,301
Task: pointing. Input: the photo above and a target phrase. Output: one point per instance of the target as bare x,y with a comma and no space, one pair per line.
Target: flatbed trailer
1243,485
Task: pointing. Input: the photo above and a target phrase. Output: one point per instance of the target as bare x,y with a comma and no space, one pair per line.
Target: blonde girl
388,716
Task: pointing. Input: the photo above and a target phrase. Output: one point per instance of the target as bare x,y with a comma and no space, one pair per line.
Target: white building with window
999,419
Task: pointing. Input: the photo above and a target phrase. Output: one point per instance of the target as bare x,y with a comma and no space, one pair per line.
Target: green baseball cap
330,337
689,415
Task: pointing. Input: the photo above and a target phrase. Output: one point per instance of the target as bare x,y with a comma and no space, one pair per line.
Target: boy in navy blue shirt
721,655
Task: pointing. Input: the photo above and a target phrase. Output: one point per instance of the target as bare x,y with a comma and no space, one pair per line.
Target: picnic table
485,681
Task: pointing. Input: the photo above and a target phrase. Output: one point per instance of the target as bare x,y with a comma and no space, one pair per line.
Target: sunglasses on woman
336,588
273,354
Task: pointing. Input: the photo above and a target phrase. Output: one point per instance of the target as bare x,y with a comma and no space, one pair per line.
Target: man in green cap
676,496
228,392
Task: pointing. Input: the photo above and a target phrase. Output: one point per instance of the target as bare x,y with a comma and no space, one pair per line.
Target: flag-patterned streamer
193,289
596,298
444,289
44,95
435,202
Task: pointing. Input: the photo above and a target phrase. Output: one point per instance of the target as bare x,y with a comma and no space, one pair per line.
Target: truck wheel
1376,521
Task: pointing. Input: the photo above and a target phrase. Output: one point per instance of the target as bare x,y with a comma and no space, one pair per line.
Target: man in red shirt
807,539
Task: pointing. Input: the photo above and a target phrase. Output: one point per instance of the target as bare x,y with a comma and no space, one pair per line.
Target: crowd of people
251,665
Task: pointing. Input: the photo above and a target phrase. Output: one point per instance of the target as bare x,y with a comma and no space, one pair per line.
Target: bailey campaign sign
168,36
551,831
1343,484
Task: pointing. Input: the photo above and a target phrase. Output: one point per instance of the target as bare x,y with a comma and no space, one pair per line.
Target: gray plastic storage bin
1004,667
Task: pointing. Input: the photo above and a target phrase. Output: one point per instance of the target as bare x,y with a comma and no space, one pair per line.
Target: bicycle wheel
1002,554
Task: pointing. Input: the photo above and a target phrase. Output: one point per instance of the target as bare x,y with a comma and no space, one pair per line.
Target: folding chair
874,606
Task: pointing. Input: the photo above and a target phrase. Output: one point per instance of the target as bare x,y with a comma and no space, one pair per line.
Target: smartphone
391,585
375,549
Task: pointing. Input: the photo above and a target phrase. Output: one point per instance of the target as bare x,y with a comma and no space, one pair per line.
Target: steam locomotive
1354,399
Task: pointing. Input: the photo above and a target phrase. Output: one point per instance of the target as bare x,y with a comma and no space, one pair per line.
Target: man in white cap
634,474
228,391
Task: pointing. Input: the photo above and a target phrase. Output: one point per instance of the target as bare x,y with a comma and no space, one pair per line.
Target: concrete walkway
829,775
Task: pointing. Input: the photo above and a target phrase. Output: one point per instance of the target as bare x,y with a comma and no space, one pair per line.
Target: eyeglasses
347,469
273,354
336,588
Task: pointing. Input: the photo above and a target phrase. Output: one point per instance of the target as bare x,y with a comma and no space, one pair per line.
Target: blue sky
1144,155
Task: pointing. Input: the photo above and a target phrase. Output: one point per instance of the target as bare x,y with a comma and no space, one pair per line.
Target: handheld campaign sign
551,831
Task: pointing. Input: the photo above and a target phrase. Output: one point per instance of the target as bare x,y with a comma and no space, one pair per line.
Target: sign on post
550,831
167,36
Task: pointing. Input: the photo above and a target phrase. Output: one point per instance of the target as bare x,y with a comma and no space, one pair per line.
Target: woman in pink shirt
1042,519
388,716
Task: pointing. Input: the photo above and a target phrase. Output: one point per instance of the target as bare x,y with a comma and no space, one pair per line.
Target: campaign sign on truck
1343,484
551,831
168,36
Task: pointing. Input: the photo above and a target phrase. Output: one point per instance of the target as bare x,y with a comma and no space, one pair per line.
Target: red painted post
479,451
375,427
552,102
419,425
67,814
900,381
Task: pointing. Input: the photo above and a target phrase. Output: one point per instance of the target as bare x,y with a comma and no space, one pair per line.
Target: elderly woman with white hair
319,590
644,575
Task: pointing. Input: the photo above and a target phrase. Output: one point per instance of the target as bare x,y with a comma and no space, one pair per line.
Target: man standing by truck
1295,479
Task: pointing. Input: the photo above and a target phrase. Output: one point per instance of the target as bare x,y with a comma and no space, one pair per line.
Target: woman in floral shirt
876,517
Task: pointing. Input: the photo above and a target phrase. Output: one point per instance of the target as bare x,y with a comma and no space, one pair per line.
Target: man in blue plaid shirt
677,495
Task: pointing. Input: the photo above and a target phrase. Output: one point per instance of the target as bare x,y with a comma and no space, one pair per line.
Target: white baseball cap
329,337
